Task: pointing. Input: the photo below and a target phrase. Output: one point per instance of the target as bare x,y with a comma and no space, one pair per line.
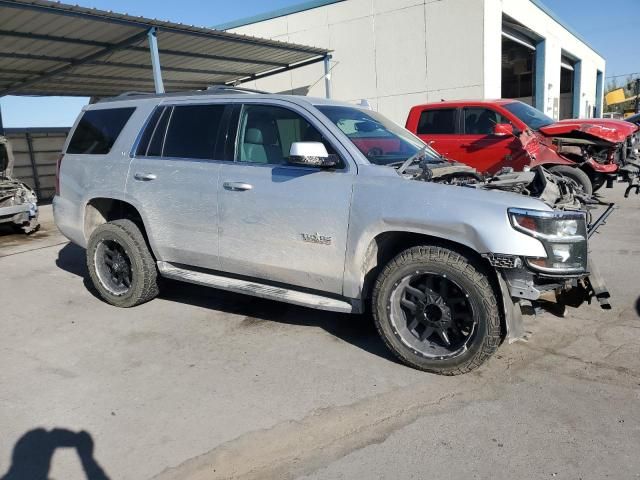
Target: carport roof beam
50,48
75,63
77,41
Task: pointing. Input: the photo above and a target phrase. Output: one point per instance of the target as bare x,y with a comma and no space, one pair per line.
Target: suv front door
280,222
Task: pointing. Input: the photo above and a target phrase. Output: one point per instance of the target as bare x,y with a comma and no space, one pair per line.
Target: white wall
394,53
398,53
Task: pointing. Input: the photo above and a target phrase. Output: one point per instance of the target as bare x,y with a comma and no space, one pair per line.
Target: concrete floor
201,384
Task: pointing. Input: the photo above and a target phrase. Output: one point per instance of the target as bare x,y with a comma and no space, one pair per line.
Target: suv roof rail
230,88
132,93
211,90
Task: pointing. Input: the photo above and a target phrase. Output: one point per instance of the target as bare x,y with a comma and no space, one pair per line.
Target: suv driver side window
266,134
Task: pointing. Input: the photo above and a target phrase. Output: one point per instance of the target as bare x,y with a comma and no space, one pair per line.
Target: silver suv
315,203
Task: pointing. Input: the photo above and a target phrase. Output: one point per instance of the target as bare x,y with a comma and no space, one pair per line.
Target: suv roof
222,92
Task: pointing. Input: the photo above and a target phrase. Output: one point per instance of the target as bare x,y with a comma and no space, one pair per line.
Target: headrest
261,132
254,135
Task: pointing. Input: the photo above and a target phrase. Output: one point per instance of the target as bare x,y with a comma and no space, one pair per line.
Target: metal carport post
155,59
327,75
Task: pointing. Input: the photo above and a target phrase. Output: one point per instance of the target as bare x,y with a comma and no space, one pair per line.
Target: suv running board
255,289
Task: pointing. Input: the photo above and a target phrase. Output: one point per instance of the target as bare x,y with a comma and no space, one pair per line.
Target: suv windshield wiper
402,166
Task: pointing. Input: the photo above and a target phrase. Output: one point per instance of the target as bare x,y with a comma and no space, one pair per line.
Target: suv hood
609,130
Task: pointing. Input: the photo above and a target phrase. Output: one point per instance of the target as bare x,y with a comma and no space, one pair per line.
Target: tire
129,258
597,181
467,294
575,174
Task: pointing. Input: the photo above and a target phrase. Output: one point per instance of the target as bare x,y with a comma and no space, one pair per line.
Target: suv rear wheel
120,264
436,311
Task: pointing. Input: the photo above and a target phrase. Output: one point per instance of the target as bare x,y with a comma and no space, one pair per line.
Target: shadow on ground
357,330
33,452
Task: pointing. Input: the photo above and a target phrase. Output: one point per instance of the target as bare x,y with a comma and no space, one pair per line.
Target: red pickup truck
491,134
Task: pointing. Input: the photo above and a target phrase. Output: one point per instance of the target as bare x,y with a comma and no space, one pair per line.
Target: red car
491,134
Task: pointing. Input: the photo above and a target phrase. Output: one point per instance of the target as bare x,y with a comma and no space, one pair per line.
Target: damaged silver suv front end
18,202
566,276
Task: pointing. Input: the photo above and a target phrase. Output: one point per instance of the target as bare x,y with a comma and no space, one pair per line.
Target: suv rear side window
439,122
98,130
149,130
193,131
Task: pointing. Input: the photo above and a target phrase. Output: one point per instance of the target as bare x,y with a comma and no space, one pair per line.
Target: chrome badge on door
316,238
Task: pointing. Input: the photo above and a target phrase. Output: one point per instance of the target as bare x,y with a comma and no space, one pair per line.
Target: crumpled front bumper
20,214
520,285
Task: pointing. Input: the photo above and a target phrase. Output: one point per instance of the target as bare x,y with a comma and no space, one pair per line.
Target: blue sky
613,33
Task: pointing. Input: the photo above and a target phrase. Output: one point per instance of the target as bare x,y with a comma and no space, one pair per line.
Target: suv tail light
58,165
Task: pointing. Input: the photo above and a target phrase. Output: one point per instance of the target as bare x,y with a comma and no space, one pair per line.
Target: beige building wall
399,53
393,53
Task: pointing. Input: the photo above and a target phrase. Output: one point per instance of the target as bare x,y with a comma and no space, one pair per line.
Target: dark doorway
567,83
518,71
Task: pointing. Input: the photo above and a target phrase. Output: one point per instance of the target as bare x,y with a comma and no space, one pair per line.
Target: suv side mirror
503,129
312,154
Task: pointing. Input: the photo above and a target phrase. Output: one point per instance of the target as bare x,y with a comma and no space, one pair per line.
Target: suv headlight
563,234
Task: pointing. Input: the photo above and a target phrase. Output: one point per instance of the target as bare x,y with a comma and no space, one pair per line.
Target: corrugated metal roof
49,48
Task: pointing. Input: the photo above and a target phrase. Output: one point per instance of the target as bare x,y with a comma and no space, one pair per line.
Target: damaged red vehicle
490,135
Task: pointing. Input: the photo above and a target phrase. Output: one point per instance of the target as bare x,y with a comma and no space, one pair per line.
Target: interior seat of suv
260,143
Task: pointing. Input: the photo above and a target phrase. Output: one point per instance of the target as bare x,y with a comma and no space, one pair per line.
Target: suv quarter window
98,130
437,121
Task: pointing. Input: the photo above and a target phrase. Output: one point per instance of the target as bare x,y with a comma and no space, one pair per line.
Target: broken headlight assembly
563,235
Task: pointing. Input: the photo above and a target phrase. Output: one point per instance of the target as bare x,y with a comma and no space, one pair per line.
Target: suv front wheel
436,311
120,264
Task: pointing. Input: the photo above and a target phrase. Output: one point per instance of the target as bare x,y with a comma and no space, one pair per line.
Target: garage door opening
567,87
518,69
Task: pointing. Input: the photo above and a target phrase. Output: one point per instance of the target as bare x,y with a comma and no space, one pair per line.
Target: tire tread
454,260
148,274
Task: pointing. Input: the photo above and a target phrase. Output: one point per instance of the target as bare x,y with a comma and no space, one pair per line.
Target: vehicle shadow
33,452
71,258
358,330
638,306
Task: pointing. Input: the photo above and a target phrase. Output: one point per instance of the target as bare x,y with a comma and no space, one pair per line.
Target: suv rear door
173,181
280,222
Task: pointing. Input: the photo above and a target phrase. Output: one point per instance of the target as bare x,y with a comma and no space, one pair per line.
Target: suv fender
385,246
102,209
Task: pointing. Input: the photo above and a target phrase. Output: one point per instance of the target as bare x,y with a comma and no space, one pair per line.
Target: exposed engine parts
555,190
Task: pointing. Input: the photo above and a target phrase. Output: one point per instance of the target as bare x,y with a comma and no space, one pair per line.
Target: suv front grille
503,261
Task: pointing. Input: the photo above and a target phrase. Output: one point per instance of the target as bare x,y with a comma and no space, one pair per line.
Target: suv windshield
533,117
378,138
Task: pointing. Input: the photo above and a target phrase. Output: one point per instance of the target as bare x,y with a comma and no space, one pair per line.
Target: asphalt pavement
203,384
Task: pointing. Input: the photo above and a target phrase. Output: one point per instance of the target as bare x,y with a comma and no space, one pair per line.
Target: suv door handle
144,177
237,186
